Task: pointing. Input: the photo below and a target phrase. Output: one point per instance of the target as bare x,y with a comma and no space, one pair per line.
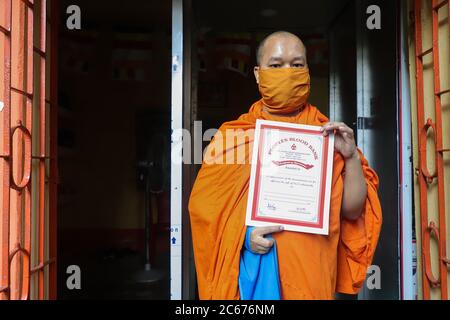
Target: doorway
114,150
353,79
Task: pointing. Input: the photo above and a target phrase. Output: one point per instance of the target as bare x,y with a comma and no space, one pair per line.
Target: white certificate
290,179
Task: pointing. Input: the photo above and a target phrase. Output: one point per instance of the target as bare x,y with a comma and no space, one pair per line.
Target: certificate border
254,190
323,175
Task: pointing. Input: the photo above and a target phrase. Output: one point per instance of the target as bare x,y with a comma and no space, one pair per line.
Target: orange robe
310,266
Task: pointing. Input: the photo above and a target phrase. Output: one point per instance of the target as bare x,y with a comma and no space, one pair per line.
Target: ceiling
260,15
225,15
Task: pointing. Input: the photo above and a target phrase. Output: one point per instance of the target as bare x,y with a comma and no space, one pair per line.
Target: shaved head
280,49
276,36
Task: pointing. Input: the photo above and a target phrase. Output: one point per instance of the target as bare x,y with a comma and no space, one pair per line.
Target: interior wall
342,39
113,74
98,128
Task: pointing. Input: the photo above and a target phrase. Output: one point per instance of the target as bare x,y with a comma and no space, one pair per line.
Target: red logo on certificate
290,180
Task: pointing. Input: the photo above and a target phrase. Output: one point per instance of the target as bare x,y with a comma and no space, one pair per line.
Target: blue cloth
258,273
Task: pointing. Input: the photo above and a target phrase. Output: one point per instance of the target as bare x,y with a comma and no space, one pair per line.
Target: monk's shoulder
317,115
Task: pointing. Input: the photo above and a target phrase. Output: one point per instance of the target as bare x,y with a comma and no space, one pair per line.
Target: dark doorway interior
349,65
114,146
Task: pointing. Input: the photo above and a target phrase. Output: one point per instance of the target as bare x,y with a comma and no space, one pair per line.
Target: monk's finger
348,135
333,126
263,242
325,125
348,138
330,128
261,249
268,230
258,249
346,129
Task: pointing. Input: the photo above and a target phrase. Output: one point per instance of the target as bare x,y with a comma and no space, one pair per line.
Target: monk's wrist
354,157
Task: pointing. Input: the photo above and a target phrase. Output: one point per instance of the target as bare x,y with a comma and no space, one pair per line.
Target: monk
310,266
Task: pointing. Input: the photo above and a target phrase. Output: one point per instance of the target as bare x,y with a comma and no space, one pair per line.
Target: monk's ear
256,73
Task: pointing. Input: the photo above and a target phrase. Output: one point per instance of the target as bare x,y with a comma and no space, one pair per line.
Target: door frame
182,267
183,116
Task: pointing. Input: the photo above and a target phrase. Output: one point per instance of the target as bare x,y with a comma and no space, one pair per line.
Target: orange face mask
284,90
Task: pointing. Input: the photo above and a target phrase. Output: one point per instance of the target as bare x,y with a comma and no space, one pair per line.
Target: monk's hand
258,243
344,138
